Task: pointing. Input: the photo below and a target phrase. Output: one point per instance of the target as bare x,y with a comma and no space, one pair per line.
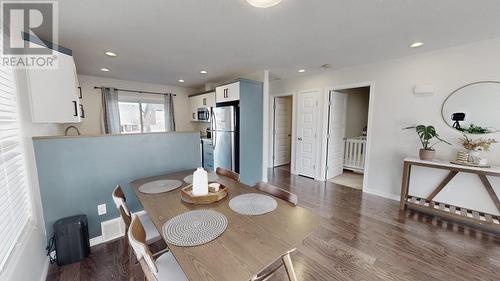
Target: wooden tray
188,197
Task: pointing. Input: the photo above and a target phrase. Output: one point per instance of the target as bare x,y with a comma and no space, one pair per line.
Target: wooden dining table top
248,245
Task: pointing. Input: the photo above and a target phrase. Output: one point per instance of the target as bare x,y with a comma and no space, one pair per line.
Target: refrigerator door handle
214,128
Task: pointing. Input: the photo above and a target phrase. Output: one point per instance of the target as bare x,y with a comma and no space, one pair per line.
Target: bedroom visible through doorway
347,136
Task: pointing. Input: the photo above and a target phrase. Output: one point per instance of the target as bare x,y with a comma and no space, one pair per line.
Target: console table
484,220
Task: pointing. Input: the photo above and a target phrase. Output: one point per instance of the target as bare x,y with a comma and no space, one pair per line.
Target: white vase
200,182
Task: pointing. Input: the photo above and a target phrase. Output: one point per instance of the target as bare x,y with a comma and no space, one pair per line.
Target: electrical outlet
101,209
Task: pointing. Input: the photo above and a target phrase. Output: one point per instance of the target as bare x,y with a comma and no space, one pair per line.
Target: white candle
200,182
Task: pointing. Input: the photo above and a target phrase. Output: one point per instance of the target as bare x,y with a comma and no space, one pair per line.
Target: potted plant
426,135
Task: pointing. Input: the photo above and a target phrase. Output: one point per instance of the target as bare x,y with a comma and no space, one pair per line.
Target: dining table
249,243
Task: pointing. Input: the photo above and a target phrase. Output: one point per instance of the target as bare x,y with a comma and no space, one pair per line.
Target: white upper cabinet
200,101
230,92
54,92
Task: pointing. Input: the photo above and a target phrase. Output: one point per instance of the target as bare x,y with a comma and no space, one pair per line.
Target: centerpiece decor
474,148
426,135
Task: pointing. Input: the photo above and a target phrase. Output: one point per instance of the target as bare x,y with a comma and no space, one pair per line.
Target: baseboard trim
391,196
101,239
45,270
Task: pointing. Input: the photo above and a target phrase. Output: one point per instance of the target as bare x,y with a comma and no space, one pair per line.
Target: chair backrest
137,240
119,199
227,173
278,192
265,273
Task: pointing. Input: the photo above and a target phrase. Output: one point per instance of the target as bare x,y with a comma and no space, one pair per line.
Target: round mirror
474,108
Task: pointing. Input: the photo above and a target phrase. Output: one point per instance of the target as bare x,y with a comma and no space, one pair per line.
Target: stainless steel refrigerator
225,137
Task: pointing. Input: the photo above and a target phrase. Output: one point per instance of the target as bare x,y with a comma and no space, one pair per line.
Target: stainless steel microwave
204,114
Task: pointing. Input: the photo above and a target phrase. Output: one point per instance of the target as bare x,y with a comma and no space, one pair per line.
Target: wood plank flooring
361,237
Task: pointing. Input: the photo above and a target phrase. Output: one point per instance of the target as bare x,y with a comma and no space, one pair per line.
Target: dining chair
164,268
228,173
152,234
269,270
277,192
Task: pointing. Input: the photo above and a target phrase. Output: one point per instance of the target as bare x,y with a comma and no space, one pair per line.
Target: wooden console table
477,218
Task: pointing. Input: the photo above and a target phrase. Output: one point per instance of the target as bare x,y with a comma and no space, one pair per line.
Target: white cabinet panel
54,92
200,101
230,92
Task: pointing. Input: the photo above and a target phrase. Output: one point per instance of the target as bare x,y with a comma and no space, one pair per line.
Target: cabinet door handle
82,112
76,108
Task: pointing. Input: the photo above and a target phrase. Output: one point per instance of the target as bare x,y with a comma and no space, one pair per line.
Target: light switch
101,209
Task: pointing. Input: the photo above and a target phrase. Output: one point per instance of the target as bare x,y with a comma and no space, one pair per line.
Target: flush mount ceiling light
104,69
181,81
264,3
110,54
203,71
302,70
416,45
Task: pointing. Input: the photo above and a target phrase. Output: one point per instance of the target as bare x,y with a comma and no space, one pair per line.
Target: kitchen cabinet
54,93
226,93
203,100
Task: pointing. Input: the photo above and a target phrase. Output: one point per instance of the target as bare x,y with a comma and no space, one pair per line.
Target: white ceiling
163,41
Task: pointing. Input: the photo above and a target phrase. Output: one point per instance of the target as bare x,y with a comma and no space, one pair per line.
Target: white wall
357,111
28,261
91,124
395,106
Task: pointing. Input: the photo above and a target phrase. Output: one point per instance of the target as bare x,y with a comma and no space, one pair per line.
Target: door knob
300,139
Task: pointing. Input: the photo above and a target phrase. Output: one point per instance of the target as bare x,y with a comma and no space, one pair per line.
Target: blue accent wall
77,174
251,127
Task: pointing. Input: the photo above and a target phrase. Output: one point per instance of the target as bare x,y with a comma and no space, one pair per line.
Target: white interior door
337,125
307,137
282,130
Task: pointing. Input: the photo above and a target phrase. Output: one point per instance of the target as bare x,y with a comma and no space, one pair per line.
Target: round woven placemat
194,228
160,186
212,177
253,204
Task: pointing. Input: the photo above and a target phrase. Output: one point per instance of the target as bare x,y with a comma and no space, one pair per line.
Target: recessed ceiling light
110,54
203,71
264,3
416,44
302,70
104,69
181,81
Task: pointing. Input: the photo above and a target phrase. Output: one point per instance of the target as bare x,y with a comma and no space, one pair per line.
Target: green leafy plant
473,129
426,135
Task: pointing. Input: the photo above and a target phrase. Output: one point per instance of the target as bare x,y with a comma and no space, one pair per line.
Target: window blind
15,206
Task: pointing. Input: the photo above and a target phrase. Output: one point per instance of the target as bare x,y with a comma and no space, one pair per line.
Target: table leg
490,190
440,187
405,185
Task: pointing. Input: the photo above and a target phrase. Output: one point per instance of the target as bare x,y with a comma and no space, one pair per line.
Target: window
141,117
15,206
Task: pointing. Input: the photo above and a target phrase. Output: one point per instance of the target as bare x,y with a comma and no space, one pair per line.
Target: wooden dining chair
164,268
269,270
277,192
228,173
152,234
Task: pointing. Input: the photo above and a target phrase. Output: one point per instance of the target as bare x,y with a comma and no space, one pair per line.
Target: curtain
169,113
110,110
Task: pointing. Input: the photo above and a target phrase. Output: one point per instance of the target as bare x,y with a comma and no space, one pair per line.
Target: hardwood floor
361,237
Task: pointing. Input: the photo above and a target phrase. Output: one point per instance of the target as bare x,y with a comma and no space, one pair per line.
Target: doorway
308,117
282,131
347,136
